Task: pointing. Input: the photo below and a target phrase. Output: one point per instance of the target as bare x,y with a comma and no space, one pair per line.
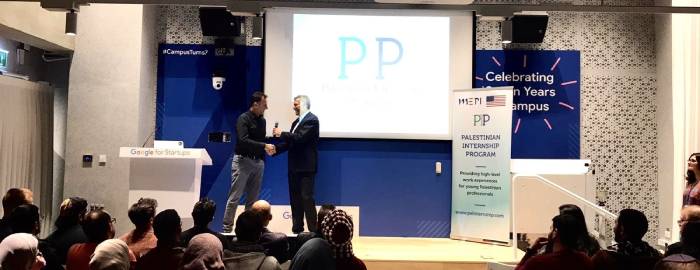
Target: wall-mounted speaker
217,21
529,28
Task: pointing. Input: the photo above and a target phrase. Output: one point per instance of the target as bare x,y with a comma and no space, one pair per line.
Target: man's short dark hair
257,96
167,224
249,227
634,224
24,218
13,198
567,228
203,212
141,212
96,225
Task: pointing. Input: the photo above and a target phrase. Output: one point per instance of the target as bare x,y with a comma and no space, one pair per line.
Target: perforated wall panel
618,93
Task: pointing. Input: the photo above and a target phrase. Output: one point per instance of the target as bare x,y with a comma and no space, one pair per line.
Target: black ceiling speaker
217,21
529,28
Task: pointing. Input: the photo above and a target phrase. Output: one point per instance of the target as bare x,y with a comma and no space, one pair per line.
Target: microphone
277,124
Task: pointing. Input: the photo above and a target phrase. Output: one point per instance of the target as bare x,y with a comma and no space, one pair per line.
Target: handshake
270,149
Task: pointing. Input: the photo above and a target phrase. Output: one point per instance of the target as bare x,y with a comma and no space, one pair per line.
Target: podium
171,176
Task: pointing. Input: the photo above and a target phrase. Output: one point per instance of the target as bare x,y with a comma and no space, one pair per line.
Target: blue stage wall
393,181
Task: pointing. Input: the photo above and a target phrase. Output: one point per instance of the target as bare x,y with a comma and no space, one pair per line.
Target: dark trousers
301,196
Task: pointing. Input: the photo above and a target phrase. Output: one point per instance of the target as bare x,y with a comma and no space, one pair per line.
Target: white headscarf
20,251
112,254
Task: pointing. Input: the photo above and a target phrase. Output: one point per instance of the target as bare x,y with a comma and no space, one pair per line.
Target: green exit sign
3,59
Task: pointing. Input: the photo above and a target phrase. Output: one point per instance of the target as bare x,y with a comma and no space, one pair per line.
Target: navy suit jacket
302,145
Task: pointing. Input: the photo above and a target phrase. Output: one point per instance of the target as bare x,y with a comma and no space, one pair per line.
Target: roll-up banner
481,144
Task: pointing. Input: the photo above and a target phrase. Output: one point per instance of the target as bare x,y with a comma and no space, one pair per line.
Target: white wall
111,75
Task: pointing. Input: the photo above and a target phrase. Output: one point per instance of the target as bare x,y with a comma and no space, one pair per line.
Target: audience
204,252
112,254
13,198
585,243
98,226
246,253
337,229
630,252
141,239
20,251
563,238
306,236
203,214
68,230
275,243
167,254
689,214
84,241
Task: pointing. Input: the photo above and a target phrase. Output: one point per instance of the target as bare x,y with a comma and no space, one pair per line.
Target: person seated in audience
337,229
141,239
690,239
630,252
563,239
585,243
19,251
691,195
167,254
245,253
203,214
68,230
689,214
13,198
275,243
302,237
111,254
678,262
204,252
25,219
98,226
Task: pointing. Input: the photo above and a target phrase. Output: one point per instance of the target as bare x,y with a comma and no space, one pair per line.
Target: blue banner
546,99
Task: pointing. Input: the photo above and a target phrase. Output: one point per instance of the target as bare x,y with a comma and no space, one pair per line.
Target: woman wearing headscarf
20,251
337,228
112,254
204,252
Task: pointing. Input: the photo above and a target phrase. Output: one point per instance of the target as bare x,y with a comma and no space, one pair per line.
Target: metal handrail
600,210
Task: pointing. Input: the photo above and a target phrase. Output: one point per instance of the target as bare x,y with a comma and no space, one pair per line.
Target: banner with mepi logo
481,144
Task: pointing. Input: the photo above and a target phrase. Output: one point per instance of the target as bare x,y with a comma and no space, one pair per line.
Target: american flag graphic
496,101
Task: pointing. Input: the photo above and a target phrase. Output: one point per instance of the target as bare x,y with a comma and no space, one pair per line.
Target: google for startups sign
546,99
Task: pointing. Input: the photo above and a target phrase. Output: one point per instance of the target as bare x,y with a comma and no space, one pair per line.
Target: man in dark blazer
302,143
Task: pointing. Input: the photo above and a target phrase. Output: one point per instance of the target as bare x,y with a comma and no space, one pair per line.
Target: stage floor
429,253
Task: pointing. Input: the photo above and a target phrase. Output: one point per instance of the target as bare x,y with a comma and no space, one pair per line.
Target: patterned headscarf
112,254
204,252
337,228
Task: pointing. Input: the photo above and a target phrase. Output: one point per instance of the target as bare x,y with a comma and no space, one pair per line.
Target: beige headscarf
204,252
20,251
112,254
